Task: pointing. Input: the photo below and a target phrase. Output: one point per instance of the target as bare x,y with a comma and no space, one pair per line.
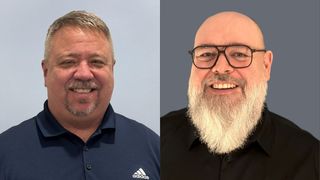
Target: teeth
224,86
82,90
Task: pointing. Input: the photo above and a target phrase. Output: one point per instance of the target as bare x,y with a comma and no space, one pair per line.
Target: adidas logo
140,174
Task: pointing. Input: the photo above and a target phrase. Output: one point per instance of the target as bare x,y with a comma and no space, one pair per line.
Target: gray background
135,29
291,30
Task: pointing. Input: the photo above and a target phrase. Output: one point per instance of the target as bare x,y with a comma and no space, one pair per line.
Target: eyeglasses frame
191,52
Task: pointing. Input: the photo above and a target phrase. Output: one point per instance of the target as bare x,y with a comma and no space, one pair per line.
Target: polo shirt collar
263,135
108,121
50,127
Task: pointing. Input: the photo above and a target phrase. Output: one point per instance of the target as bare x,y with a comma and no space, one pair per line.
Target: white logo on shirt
140,174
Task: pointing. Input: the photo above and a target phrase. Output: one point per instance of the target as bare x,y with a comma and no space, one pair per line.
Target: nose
83,72
222,65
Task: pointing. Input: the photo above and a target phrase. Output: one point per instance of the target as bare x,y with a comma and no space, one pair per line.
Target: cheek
106,81
254,76
197,76
56,80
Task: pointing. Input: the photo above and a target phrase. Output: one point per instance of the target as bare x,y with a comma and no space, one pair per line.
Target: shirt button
85,148
228,158
89,166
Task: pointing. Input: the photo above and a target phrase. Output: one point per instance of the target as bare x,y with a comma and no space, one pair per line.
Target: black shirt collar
263,135
265,132
50,127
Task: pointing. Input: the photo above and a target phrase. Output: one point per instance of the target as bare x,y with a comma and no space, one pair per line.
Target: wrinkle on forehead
230,27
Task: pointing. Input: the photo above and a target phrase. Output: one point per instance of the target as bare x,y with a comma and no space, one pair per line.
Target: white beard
225,125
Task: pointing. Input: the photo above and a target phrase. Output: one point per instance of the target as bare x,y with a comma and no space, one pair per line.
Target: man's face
225,31
79,73
225,103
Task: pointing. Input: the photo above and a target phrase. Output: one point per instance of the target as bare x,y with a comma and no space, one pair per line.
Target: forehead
80,42
229,28
73,38
75,33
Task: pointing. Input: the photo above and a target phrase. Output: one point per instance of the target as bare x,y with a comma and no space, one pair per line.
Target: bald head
229,28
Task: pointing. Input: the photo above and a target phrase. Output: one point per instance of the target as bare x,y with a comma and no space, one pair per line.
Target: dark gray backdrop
291,30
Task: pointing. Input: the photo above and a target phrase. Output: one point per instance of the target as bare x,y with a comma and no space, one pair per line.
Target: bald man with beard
227,131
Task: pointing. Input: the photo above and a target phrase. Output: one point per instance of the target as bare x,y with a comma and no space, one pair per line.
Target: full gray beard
225,125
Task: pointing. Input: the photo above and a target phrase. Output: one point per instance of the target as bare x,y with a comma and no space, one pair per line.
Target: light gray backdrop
291,30
135,29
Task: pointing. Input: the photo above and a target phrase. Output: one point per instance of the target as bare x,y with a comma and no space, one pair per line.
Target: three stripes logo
140,174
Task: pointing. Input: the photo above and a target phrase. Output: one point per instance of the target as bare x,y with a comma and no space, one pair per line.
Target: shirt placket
224,162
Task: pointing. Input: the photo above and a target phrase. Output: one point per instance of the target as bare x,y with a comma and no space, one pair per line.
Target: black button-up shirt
277,150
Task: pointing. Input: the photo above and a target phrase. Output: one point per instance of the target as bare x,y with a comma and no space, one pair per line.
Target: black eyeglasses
237,55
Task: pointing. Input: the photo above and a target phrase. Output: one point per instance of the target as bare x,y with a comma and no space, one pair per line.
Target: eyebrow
77,55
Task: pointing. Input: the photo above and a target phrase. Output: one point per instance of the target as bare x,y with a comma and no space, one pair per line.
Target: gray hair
81,19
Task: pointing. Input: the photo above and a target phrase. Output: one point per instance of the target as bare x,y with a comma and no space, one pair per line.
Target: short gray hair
81,19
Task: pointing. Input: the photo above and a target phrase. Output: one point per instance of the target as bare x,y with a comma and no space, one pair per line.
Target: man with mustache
78,135
227,131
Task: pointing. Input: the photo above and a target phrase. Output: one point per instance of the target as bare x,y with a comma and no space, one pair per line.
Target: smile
82,90
222,86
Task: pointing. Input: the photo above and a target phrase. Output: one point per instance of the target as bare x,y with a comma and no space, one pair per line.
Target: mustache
215,78
80,84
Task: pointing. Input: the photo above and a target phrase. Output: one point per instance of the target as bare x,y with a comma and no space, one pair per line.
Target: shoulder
19,132
173,121
136,139
132,130
132,125
174,126
288,130
294,149
17,138
290,138
180,113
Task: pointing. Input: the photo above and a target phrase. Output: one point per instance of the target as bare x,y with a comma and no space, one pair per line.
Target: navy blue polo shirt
41,149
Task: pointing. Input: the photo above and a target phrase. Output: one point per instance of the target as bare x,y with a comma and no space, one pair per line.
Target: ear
44,65
113,64
268,58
